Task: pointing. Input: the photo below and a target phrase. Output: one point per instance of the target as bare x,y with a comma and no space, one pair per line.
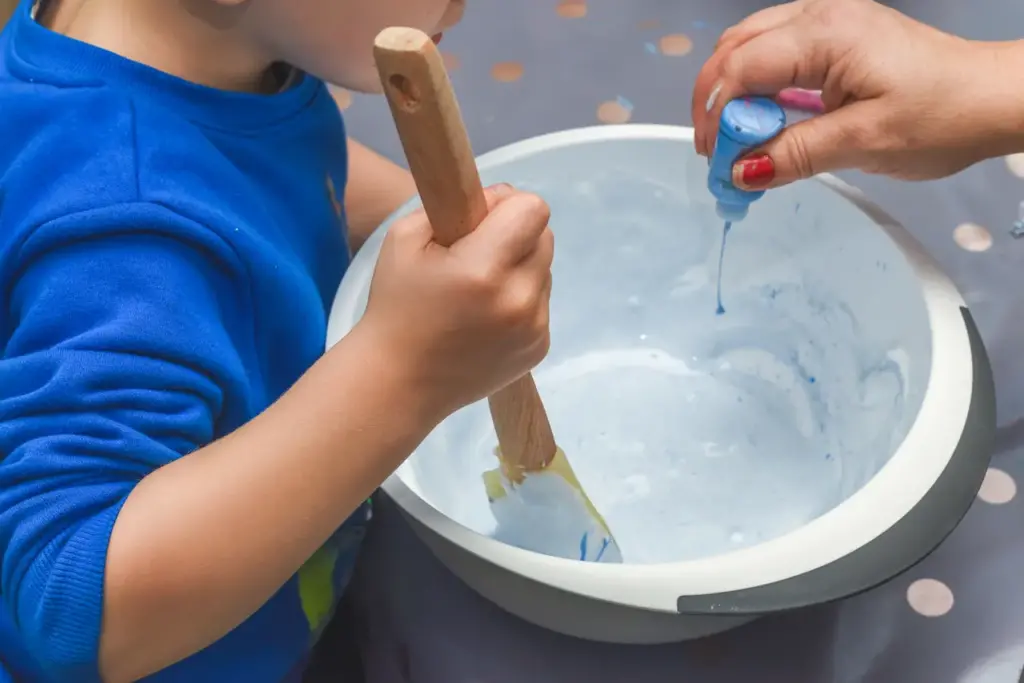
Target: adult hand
459,323
901,98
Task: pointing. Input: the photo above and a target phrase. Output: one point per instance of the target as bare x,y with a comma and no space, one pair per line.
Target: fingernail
502,189
754,172
802,100
713,97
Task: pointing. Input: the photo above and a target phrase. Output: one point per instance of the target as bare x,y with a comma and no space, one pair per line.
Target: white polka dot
342,97
572,9
451,61
930,598
613,112
675,45
1015,162
507,72
972,237
998,488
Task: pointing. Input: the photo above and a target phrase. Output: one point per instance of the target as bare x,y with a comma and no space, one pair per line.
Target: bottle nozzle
731,212
745,124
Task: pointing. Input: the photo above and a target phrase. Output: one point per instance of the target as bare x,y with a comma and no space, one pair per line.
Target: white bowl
821,436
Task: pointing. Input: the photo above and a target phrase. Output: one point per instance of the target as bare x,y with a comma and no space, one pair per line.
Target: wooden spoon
441,160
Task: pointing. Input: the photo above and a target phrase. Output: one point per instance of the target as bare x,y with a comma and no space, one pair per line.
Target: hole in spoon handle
432,132
404,92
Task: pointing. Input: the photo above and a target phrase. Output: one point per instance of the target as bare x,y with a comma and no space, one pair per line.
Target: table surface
526,68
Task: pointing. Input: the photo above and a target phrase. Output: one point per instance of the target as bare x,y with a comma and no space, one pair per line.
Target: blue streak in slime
721,259
745,124
583,547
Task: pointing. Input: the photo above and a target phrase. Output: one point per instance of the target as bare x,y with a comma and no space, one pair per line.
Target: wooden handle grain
433,135
524,432
441,159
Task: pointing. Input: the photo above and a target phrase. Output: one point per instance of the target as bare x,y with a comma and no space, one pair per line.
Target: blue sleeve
115,354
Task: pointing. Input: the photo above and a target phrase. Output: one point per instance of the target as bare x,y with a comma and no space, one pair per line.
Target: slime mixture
696,433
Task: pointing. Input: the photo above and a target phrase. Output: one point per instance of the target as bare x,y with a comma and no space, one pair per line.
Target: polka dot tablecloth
526,68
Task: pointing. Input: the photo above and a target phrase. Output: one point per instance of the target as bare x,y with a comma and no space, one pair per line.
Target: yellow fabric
316,587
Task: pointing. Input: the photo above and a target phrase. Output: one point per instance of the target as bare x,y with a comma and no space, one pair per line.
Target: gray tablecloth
525,68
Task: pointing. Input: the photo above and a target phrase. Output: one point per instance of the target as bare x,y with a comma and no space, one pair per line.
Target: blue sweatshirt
168,254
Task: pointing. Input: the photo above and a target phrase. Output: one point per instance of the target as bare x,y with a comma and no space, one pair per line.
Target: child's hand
462,322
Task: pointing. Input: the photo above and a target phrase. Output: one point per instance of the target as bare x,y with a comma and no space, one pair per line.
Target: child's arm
111,375
122,557
376,187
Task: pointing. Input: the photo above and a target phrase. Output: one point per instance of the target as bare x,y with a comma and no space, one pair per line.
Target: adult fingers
759,22
749,28
837,140
789,56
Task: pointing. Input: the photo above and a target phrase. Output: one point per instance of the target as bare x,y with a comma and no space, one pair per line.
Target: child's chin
368,84
373,87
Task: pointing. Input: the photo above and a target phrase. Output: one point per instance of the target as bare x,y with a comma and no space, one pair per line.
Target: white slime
544,500
694,433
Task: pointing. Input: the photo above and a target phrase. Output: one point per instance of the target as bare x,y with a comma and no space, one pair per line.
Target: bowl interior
696,431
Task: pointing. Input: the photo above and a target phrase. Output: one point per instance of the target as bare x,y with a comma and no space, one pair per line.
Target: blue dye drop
721,258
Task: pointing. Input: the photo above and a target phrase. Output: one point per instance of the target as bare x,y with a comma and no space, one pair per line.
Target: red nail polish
753,172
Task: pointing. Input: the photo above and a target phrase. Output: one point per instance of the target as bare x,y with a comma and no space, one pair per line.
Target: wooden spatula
535,496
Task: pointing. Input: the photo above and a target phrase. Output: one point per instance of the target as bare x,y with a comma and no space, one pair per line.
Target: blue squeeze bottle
746,123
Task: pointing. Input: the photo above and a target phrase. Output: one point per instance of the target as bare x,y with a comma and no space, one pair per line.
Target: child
182,470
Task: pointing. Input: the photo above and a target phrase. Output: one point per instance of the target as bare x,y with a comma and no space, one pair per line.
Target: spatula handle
441,159
524,432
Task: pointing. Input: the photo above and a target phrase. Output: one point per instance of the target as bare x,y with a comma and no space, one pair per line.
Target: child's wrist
419,401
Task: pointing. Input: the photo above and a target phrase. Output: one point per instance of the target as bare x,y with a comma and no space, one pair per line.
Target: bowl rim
895,520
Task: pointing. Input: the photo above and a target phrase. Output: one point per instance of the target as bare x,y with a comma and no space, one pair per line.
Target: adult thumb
830,142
